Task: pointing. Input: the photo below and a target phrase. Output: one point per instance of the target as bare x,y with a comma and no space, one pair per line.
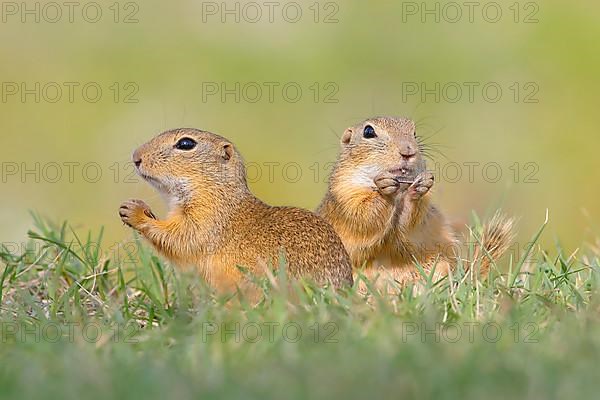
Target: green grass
86,321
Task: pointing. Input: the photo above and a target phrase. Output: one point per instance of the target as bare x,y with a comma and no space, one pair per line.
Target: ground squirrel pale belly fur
215,223
378,202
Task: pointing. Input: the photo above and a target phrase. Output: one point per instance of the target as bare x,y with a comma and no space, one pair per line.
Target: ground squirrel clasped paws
215,224
378,202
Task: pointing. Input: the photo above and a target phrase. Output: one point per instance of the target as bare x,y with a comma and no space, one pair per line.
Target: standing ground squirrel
215,223
378,202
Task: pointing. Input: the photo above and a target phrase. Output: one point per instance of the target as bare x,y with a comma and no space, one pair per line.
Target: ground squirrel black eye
369,132
185,144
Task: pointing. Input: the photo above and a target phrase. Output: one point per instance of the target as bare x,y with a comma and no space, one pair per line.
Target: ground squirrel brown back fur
215,223
378,202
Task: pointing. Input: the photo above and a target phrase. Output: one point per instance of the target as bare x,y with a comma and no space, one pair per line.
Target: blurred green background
351,59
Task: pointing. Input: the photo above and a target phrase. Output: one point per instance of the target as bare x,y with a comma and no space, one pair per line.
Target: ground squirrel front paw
134,213
421,185
386,184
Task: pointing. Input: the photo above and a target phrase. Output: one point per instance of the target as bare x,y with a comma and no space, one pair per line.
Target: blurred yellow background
163,65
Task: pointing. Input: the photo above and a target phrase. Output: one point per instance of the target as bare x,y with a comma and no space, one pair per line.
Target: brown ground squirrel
378,202
216,224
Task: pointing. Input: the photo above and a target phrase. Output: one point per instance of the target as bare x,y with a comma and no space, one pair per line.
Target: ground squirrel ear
347,136
227,151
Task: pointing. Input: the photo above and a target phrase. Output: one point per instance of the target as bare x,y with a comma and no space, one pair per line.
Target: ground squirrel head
380,144
185,163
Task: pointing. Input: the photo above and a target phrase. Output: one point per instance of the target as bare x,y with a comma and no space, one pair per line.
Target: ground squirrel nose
137,158
407,152
137,161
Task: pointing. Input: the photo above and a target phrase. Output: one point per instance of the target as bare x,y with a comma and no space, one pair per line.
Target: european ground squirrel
215,223
378,202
